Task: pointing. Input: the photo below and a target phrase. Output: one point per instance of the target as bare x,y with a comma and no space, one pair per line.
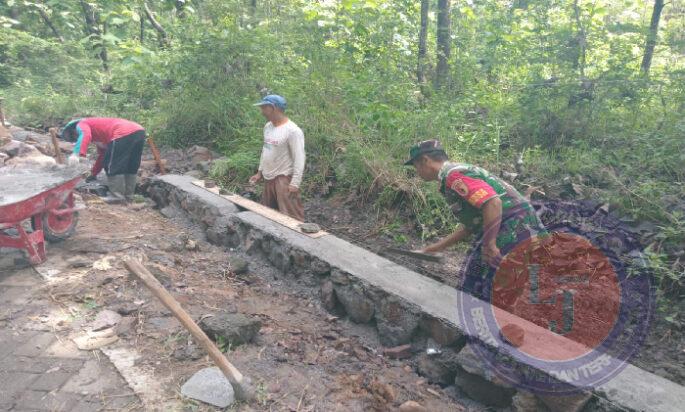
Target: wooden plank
267,212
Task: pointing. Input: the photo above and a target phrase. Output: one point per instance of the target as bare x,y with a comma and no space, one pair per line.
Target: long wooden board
262,210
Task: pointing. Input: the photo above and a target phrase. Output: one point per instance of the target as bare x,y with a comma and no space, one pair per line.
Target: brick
65,349
36,345
121,402
39,365
14,296
14,383
51,381
10,340
85,406
46,401
95,377
398,352
20,277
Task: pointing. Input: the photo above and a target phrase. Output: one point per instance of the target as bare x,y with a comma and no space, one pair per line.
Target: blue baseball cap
273,100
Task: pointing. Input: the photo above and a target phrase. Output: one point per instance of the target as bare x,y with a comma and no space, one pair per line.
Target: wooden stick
241,385
155,154
416,255
59,156
2,113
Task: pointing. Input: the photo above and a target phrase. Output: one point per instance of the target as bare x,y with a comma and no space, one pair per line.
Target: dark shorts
123,154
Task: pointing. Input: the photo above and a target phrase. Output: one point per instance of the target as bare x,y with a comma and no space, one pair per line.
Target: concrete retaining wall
403,305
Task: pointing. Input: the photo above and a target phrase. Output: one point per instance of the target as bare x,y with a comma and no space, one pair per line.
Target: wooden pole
2,113
156,155
59,156
241,385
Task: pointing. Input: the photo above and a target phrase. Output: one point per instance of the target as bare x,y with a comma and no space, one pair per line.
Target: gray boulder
209,385
232,328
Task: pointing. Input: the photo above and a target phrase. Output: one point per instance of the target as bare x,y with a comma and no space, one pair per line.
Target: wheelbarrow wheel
56,227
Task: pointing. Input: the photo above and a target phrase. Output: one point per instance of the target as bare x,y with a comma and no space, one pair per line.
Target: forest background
584,98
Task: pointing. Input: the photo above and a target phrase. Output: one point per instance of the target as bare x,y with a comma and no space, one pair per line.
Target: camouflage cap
421,148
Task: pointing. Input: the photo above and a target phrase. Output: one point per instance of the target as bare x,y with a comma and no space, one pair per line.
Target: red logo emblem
562,283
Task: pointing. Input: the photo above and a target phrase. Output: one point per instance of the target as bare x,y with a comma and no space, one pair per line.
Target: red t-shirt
101,131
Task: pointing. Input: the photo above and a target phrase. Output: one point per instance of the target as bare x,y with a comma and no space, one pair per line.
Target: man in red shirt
119,144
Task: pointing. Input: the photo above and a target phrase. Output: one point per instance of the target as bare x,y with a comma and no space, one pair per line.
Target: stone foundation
405,307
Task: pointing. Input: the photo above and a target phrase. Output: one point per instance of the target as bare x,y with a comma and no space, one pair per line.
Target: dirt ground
303,359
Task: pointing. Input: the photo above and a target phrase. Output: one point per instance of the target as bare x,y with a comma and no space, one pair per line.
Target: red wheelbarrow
44,197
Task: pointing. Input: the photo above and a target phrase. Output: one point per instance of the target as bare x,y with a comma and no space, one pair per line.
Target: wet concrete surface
20,184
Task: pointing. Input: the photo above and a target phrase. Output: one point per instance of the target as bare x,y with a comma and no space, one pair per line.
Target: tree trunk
423,34
14,12
48,22
93,28
163,39
142,26
252,12
443,44
652,37
14,15
582,40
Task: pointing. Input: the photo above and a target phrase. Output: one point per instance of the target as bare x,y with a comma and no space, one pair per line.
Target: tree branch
48,22
582,39
142,27
93,29
443,44
163,39
653,34
423,35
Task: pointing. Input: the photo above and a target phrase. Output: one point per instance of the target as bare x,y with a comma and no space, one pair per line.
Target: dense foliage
587,95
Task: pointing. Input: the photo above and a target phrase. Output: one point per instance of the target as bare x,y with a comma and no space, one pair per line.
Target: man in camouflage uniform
485,205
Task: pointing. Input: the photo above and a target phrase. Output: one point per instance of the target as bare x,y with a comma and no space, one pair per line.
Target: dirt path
302,359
